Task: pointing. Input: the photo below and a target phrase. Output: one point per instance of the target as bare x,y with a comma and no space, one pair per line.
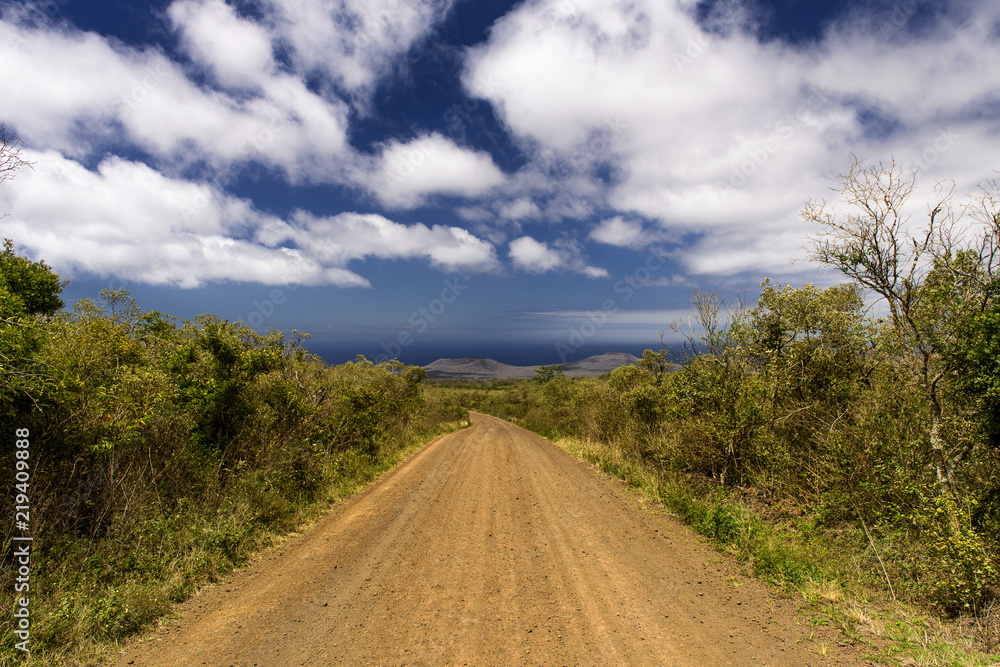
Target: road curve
491,546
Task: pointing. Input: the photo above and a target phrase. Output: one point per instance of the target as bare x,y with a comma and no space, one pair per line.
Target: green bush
165,452
808,401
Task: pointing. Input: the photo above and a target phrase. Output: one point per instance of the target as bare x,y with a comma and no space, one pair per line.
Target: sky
531,181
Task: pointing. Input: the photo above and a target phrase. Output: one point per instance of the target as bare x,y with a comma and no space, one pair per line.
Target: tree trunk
938,448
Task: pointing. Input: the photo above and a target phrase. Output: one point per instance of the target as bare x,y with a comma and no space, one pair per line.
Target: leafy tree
815,343
934,281
975,357
26,287
545,373
655,363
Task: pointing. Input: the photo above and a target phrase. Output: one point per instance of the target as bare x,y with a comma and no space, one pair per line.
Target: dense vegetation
163,452
823,414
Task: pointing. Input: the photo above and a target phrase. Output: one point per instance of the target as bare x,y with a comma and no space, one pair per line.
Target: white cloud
625,112
407,172
347,236
237,51
84,78
594,272
95,89
92,87
354,42
519,209
152,227
619,232
718,134
745,250
533,256
957,59
128,220
473,213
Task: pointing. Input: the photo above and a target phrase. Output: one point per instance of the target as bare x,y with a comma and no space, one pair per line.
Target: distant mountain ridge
482,368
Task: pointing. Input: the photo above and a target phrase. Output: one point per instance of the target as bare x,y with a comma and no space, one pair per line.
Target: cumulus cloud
128,220
347,236
407,172
123,219
231,104
519,209
707,130
237,51
619,232
473,213
250,109
638,123
533,256
83,76
95,90
354,42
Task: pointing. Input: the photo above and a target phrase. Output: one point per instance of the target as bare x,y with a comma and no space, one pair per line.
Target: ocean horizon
421,353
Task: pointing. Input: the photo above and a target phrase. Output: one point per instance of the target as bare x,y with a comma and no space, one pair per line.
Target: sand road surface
491,546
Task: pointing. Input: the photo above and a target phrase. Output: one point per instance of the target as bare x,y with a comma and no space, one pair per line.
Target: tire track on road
491,546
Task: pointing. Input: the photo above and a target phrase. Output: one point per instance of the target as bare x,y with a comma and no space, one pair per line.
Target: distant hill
486,369
599,364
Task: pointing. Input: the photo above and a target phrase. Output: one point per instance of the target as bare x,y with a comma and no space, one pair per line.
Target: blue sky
530,181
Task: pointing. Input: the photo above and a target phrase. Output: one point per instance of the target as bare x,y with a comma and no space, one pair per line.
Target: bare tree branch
931,279
10,155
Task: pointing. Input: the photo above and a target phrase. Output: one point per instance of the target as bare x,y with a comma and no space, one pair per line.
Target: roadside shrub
817,410
165,452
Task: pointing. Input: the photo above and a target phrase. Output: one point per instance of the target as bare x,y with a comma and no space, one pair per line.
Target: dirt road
490,547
